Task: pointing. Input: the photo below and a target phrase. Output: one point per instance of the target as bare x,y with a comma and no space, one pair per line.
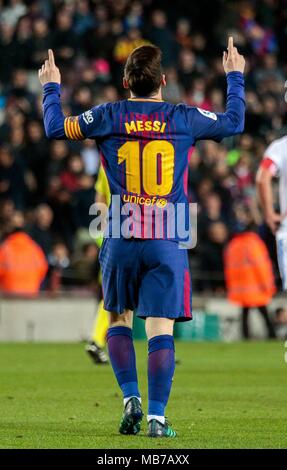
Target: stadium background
48,187
51,395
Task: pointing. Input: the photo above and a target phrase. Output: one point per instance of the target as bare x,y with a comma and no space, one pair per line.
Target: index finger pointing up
51,57
230,44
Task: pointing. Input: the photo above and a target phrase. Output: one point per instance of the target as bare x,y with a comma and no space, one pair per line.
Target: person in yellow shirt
95,348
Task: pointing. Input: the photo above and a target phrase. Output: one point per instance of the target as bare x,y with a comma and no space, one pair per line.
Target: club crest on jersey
208,114
88,117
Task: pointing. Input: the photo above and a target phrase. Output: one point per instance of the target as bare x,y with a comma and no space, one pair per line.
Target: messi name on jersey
140,126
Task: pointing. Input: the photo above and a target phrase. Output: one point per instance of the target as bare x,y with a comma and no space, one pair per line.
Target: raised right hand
232,60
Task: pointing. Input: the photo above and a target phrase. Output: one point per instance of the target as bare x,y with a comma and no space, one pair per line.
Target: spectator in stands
41,41
12,178
23,41
183,36
84,197
18,94
70,176
83,21
161,35
64,42
125,45
59,153
35,156
59,263
40,230
187,68
211,213
173,90
212,257
86,267
61,203
8,51
91,157
7,209
13,11
22,263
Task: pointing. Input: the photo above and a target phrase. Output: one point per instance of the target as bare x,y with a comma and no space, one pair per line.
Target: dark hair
143,70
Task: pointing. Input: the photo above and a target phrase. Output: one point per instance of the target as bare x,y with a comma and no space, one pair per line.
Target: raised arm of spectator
207,125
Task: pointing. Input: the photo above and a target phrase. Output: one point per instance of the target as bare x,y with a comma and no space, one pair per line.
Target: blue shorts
149,276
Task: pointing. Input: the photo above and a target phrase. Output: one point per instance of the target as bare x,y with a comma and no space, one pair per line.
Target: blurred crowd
47,187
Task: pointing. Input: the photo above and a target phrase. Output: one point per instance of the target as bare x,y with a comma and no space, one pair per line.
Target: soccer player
144,143
274,163
95,348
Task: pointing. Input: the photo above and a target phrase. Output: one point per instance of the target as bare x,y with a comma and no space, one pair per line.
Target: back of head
143,70
15,224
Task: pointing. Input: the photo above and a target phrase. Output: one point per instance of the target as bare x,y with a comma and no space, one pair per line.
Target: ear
163,80
125,83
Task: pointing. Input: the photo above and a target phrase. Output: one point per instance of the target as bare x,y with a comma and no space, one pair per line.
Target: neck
154,96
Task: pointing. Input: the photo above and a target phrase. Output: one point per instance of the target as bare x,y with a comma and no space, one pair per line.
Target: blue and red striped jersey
145,145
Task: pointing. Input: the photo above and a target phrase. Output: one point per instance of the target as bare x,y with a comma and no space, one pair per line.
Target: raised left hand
49,72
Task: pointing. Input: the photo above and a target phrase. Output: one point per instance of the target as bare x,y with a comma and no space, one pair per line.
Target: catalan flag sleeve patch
72,128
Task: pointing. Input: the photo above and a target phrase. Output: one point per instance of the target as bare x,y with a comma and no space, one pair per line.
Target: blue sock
160,372
123,359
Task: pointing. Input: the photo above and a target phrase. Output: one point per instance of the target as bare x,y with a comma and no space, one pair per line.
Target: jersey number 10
156,154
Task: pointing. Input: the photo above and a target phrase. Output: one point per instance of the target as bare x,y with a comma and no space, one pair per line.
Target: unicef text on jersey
147,218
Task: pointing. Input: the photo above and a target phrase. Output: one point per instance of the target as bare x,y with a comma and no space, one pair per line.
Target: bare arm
265,197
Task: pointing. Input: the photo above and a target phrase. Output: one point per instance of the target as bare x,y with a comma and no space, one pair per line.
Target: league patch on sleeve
208,114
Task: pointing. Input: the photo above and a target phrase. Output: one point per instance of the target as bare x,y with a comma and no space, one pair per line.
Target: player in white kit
274,163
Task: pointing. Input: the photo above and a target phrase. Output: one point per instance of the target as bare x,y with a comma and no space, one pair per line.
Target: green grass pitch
224,396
